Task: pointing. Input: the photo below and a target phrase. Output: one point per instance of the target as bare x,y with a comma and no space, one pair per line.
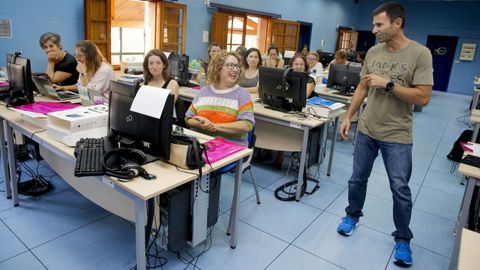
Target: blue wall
28,24
325,15
459,19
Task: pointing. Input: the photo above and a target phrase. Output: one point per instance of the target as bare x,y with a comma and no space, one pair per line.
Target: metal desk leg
475,132
332,149
463,216
3,152
11,161
301,169
233,222
140,210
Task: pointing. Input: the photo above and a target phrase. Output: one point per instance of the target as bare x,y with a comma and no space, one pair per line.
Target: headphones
285,84
127,165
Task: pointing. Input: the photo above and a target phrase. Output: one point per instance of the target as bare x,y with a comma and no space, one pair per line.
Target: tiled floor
64,230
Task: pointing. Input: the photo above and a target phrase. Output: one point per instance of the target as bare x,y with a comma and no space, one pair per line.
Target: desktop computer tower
174,231
213,199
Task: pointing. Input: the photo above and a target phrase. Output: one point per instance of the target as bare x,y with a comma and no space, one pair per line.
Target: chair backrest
180,111
251,138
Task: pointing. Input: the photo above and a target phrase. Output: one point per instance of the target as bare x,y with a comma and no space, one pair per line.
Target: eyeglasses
232,66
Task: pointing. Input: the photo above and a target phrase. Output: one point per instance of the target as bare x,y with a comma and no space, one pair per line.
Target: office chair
180,111
246,165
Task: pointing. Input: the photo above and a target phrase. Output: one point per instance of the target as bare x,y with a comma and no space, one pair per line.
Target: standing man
397,74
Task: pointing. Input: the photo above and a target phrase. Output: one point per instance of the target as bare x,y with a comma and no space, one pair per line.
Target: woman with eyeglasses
95,72
61,66
273,59
252,60
223,108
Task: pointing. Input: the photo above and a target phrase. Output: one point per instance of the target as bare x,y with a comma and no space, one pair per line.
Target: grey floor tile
255,249
226,193
38,221
264,175
322,240
325,195
423,260
446,182
438,203
285,220
296,259
23,261
432,232
106,244
10,245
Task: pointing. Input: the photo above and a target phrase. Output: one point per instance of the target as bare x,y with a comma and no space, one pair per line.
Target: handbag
186,152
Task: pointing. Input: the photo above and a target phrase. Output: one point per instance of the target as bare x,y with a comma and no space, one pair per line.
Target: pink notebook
219,148
46,107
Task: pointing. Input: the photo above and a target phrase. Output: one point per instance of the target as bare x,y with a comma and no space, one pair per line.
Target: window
127,45
347,40
171,24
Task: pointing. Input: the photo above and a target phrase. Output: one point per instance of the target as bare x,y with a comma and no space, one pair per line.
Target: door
305,35
366,40
284,34
443,51
98,24
171,27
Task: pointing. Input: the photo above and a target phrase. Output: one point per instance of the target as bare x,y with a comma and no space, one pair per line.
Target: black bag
186,152
456,153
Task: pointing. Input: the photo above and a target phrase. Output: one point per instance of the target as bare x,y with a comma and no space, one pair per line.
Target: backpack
456,153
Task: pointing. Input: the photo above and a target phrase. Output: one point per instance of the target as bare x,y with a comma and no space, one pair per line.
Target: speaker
125,163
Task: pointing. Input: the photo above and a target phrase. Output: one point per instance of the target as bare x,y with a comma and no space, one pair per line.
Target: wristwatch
83,74
389,87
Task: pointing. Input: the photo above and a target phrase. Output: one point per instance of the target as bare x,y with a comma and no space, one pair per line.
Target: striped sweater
224,106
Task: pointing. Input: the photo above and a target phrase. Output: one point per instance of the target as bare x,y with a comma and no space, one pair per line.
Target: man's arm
357,101
418,94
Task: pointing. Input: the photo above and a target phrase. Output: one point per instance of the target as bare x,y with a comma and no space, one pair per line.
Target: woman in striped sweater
223,109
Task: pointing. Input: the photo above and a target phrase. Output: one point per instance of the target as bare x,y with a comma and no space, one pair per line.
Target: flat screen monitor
20,77
325,57
282,89
135,130
344,78
179,68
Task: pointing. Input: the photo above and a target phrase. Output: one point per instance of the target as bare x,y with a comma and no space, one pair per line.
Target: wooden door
284,34
219,29
171,27
98,24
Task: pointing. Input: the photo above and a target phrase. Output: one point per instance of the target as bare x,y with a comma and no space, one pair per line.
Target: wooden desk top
469,256
168,177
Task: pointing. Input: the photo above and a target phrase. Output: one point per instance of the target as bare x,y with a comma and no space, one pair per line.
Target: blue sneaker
403,254
347,226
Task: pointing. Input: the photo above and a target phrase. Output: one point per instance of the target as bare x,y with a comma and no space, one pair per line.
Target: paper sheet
150,101
472,148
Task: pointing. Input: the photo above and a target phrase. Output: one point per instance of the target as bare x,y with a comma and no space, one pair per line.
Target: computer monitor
135,130
344,78
352,56
325,57
20,77
282,89
179,68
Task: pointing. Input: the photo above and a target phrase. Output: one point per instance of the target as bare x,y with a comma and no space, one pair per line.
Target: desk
473,174
469,257
281,131
127,199
475,119
331,95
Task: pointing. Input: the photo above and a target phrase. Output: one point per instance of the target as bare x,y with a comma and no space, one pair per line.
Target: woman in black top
62,66
299,63
155,72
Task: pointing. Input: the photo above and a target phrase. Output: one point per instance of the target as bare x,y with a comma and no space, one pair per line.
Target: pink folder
219,148
46,107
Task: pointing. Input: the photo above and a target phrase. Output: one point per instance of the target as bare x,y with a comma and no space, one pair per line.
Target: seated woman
340,58
299,63
315,67
241,50
62,66
273,59
305,50
251,61
223,108
95,72
213,49
155,72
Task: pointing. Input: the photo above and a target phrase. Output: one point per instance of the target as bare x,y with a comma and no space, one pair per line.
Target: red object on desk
219,148
46,107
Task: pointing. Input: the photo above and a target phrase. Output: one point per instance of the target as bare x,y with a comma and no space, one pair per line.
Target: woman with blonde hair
213,49
273,59
223,108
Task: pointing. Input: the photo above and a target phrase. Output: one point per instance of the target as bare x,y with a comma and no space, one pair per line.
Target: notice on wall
5,28
468,51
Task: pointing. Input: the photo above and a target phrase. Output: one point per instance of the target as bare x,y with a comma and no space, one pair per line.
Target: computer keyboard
89,153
